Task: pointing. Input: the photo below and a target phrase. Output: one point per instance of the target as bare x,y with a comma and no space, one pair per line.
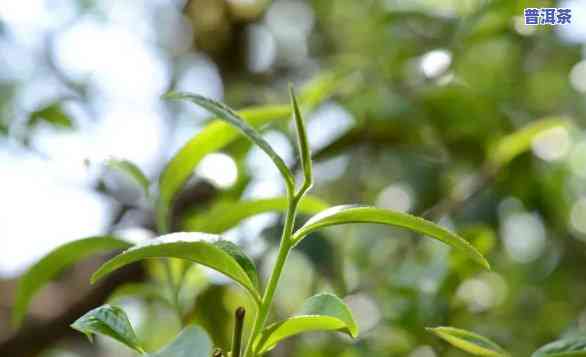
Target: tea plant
322,312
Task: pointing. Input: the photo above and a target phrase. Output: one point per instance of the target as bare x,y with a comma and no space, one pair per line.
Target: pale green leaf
109,321
322,312
469,342
363,214
226,215
513,145
196,247
56,261
570,347
193,341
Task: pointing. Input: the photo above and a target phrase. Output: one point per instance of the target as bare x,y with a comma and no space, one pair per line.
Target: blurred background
426,89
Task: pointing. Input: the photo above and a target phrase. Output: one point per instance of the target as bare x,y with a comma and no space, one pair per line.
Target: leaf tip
171,96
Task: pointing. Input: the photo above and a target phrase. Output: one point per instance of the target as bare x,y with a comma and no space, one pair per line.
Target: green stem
174,288
269,294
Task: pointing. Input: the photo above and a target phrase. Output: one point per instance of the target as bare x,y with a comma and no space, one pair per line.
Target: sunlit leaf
361,214
513,145
570,347
131,170
469,342
109,321
225,215
322,312
193,341
56,261
196,247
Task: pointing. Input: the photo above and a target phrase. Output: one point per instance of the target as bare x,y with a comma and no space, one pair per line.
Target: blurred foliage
431,87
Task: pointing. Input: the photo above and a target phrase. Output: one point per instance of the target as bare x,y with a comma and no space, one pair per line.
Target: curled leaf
200,248
108,321
362,214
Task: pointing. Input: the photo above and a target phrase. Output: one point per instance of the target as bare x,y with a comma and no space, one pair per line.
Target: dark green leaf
54,262
243,260
570,347
196,247
469,342
225,215
109,321
53,114
322,312
193,341
361,214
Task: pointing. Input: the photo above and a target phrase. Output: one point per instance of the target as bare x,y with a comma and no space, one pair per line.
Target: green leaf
56,261
569,347
219,134
243,260
200,248
131,170
361,214
212,138
193,341
469,342
226,114
322,312
51,113
513,145
225,215
303,143
109,321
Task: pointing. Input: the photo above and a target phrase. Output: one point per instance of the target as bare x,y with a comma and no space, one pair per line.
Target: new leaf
362,214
